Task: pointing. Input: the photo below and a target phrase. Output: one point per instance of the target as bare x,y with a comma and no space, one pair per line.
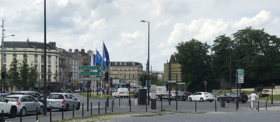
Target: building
171,69
33,52
127,72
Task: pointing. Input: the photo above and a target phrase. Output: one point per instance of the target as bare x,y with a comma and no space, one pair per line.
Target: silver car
27,103
56,100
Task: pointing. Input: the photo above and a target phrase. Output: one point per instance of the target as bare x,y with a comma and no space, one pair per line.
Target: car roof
25,92
59,93
18,95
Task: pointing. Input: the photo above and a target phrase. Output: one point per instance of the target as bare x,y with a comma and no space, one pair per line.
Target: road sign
92,73
240,73
91,67
181,83
64,82
100,89
106,85
240,70
205,82
240,79
89,78
171,81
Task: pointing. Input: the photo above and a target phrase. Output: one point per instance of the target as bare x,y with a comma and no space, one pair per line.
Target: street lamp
148,59
3,72
231,46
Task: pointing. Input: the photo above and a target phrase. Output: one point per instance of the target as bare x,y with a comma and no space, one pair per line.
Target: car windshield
207,94
2,99
12,99
56,96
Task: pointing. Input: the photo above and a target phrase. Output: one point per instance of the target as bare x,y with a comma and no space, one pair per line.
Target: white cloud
260,18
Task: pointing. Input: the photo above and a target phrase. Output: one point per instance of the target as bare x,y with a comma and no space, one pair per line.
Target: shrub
258,89
265,95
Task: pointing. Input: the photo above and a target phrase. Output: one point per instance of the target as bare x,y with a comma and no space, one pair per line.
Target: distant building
127,72
172,68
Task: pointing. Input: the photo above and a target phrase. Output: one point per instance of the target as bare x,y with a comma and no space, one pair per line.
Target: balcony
62,64
70,73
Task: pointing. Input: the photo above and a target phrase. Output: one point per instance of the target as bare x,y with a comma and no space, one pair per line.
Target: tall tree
32,76
24,73
13,77
144,77
195,65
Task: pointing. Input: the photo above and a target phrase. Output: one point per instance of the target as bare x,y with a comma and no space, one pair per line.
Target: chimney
70,50
76,51
53,44
83,51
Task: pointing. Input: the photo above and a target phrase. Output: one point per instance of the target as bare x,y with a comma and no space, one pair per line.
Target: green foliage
258,89
24,72
13,77
144,77
32,76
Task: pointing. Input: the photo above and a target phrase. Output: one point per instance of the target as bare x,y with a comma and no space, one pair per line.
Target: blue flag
104,64
106,55
98,58
93,60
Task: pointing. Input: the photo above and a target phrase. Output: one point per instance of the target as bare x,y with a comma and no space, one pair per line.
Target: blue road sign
205,82
64,82
100,89
37,81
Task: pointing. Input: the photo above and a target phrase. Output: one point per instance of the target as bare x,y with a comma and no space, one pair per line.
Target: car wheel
23,111
228,101
243,101
67,107
211,101
190,99
41,110
201,99
13,112
78,107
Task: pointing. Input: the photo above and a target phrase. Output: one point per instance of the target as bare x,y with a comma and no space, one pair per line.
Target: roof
20,44
113,63
18,95
24,92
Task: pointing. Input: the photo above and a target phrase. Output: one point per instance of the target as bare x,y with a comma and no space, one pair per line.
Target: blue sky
85,24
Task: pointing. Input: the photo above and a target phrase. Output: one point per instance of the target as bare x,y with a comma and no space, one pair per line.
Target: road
184,106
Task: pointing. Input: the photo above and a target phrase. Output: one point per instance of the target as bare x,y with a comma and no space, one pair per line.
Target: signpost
205,83
92,73
91,67
90,78
240,75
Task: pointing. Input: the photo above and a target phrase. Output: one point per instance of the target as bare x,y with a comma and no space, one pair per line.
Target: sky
86,24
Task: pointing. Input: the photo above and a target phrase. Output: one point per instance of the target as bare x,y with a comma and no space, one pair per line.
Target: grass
275,98
94,95
200,113
162,110
147,115
87,117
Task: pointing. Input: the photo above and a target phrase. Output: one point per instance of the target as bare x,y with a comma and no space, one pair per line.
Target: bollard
160,102
50,113
112,105
176,103
215,106
98,107
36,113
73,111
82,109
258,105
119,101
129,106
90,108
266,103
105,107
20,115
62,110
195,105
2,116
146,106
114,102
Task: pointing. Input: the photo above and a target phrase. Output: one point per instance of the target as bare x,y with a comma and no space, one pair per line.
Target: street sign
240,79
64,82
240,70
92,73
106,85
240,73
171,81
100,89
89,78
205,82
91,67
181,83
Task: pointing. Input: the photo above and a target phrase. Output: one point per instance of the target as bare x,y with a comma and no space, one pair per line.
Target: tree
32,76
13,77
195,65
24,73
144,77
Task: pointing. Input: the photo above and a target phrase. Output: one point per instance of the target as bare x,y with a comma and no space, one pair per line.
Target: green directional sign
240,73
240,70
91,67
92,73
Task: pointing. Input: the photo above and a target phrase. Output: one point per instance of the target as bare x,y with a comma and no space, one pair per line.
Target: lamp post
148,59
3,72
231,46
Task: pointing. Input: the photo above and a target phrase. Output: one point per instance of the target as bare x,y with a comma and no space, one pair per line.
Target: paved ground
240,116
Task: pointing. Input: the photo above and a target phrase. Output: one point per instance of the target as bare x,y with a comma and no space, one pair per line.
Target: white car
8,108
121,92
201,96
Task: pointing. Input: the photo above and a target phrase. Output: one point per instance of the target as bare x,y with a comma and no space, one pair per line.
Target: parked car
85,90
77,91
8,108
57,100
136,94
201,96
166,96
182,95
26,103
231,96
67,91
122,92
34,94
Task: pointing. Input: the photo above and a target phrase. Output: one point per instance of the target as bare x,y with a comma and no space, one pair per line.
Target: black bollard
20,115
129,106
161,102
36,113
2,116
105,107
82,109
112,105
146,106
215,106
98,107
62,110
266,103
258,105
73,111
50,113
91,108
114,102
119,101
195,105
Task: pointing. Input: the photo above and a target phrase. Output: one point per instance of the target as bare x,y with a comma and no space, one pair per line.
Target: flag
93,60
104,64
98,58
106,55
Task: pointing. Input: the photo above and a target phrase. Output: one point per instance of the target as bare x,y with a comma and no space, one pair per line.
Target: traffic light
127,85
106,76
3,75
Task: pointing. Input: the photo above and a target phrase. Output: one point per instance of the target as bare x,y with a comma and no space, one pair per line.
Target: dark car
185,95
231,96
35,94
136,94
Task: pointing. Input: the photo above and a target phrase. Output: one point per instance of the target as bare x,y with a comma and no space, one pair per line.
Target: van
122,92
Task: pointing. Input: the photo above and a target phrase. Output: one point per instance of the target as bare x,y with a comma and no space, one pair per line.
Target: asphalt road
184,106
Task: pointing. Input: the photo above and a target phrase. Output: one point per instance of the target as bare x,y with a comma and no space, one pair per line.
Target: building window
25,57
116,63
120,63
49,59
49,68
42,59
14,56
42,72
124,63
49,77
133,63
35,67
35,58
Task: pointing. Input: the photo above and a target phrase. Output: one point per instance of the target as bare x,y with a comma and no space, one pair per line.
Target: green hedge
258,89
